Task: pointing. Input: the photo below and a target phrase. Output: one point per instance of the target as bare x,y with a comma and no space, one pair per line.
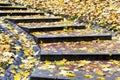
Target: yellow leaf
100,78
110,54
92,50
33,61
17,77
115,62
83,48
99,72
22,66
88,76
26,73
117,78
47,62
13,71
41,42
26,53
113,17
17,48
88,25
63,68
71,75
64,60
104,65
21,72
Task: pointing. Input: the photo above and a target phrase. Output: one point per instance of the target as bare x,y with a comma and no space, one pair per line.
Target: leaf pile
100,12
28,60
6,54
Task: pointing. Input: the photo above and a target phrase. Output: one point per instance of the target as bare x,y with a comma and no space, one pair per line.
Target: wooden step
51,28
77,55
69,38
12,8
5,4
20,13
28,20
40,74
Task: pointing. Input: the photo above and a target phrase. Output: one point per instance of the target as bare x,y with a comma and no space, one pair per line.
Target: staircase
58,41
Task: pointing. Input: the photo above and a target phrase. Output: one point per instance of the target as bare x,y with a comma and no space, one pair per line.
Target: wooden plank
51,28
12,8
20,13
28,20
5,4
69,38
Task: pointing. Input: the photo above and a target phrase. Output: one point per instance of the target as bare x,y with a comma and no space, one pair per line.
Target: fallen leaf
88,76
117,78
100,78
71,75
17,76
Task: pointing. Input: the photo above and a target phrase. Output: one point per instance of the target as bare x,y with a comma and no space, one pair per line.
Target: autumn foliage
102,12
